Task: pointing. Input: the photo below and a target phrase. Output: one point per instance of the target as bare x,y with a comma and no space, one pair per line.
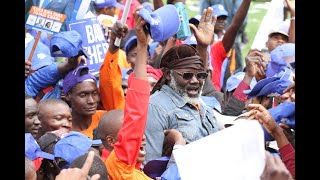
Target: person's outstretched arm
204,34
123,158
260,113
231,33
292,31
111,92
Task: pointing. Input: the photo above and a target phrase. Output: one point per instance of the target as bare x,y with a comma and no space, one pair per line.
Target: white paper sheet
234,153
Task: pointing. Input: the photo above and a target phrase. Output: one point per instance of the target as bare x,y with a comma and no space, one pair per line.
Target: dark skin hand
255,65
260,113
27,68
204,34
119,31
172,137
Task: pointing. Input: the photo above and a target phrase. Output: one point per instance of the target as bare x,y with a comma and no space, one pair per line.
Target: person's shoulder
159,96
98,114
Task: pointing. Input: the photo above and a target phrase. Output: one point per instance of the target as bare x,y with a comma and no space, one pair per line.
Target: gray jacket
168,110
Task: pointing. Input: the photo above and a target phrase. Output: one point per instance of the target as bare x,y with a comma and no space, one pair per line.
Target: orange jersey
118,170
94,123
111,92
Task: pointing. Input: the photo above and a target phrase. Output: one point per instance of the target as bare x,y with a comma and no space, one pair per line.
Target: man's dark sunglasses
189,75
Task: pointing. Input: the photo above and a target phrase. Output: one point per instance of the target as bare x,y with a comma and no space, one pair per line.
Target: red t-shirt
218,55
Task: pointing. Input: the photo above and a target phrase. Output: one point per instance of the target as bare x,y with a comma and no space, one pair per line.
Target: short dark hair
98,166
53,101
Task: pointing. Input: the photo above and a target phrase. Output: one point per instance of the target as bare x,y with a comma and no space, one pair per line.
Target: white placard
234,153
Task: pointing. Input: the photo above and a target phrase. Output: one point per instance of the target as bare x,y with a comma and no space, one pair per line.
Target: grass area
256,14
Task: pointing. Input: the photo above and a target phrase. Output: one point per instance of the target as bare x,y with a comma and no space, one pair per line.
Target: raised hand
117,30
291,7
264,117
143,37
255,64
204,32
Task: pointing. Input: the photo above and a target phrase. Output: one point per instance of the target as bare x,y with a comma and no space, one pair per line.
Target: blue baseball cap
153,46
67,44
191,40
155,168
163,23
272,86
195,20
234,80
41,56
108,3
281,57
219,10
129,43
74,77
72,146
33,150
284,111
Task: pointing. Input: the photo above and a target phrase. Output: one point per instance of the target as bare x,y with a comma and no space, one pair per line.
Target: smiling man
31,120
54,114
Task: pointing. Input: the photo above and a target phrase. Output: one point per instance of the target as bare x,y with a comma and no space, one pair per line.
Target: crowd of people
155,93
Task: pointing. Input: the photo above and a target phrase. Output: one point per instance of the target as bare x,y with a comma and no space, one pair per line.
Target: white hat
282,28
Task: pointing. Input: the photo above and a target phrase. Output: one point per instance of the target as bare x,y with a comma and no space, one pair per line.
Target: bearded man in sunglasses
175,101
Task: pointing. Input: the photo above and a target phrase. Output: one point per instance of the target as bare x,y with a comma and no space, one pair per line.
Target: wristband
293,18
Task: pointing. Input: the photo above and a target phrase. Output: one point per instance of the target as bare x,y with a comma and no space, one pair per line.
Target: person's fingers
248,114
208,18
258,107
82,59
262,69
260,117
87,165
284,126
136,11
289,88
194,29
214,20
203,16
28,63
95,177
125,28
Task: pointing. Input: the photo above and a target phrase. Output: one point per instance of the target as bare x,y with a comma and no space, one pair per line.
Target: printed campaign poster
44,20
93,40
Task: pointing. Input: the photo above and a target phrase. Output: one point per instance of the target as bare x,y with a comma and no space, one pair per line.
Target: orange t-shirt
122,60
119,170
94,123
111,92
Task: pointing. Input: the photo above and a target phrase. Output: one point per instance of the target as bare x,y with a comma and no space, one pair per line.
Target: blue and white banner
93,40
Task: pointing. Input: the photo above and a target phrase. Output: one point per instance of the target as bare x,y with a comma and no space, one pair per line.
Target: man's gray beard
182,92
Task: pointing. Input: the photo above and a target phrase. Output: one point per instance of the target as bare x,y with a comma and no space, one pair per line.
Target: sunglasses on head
188,75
